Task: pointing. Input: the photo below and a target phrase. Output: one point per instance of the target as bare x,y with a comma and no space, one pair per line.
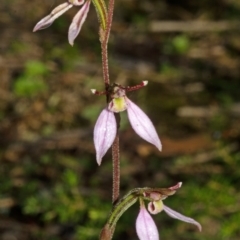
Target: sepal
77,22
142,125
49,19
105,131
145,226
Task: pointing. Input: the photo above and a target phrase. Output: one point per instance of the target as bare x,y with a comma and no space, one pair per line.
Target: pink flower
77,22
106,128
156,206
145,226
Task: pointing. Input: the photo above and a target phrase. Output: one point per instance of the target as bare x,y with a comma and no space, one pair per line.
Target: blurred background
50,185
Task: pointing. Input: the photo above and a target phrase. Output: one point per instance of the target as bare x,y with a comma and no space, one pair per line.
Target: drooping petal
181,217
49,19
155,207
145,226
105,131
77,22
142,125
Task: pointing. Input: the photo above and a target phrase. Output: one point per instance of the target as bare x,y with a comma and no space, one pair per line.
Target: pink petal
142,125
181,217
49,19
77,22
145,226
105,131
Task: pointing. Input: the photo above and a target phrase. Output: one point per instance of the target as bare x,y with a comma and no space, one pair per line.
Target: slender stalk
116,169
104,46
116,162
115,146
104,37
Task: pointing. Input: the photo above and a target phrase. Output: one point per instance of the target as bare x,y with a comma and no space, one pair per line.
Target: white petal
77,22
142,125
49,19
181,217
145,226
105,131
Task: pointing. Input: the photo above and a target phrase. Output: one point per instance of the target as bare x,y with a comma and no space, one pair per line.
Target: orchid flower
77,22
145,226
106,127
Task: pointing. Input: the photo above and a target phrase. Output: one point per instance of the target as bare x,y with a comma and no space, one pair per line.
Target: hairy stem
116,169
104,46
115,146
104,37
